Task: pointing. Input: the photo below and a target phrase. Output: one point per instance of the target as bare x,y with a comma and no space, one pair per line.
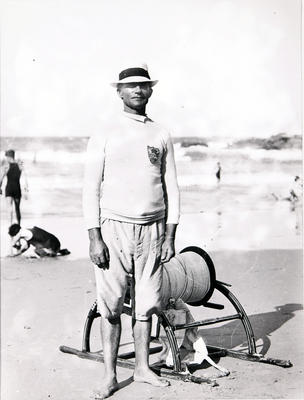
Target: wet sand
45,302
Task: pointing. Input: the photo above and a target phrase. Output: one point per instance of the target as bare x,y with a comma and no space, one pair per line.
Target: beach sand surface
45,303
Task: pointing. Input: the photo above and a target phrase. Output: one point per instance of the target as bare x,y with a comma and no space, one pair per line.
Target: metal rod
206,322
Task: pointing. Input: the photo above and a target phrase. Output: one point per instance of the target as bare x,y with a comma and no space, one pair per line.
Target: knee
40,252
109,312
112,319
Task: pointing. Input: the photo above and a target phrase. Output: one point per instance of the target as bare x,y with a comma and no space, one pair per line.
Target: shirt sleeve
171,186
93,175
16,238
26,234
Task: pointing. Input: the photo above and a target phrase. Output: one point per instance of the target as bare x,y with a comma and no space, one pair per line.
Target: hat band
133,72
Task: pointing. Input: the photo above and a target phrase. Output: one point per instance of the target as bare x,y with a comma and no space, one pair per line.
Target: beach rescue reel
190,275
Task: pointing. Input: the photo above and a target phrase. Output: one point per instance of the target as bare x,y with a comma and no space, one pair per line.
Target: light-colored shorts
134,249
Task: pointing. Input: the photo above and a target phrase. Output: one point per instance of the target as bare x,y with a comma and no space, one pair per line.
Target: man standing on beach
12,171
131,209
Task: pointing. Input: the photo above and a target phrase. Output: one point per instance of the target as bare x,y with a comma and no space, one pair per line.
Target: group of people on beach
43,242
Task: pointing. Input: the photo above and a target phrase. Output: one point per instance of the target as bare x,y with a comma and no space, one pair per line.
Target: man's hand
168,250
99,252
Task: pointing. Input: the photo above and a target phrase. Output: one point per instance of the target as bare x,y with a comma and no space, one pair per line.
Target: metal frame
177,372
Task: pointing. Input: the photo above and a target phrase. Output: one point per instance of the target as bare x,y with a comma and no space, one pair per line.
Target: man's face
135,95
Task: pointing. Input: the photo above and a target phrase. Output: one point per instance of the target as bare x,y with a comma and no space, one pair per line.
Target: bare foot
107,390
148,376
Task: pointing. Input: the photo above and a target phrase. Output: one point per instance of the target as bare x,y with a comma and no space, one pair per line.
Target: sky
226,68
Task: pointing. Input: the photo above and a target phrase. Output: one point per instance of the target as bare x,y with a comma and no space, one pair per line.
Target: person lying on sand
46,244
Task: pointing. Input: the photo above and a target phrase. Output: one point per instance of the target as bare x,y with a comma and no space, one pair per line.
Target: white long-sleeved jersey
130,173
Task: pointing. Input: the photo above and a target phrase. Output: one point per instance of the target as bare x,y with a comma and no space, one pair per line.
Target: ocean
249,198
250,177
54,171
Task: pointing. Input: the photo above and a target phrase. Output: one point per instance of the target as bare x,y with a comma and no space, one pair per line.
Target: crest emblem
153,153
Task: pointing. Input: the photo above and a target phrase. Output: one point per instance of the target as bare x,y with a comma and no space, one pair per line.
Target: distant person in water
218,172
12,170
46,244
296,194
297,189
296,202
295,197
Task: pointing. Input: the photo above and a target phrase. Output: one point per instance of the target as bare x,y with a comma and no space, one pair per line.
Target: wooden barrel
190,275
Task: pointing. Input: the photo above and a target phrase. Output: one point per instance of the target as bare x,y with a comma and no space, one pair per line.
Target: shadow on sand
232,335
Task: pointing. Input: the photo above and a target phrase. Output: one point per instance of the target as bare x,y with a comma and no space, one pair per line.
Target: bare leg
110,335
17,209
41,252
9,202
10,211
142,372
47,251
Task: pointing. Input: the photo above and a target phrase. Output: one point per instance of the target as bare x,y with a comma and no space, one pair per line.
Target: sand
45,302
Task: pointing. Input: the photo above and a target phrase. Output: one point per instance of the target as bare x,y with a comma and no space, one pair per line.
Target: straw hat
134,75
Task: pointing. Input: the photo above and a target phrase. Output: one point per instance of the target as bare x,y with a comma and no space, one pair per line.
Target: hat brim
134,79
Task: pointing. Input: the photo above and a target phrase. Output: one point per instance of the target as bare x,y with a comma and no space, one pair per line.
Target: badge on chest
154,154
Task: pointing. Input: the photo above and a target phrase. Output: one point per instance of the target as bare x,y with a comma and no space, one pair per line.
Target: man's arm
172,202
3,175
93,174
24,177
20,250
16,239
